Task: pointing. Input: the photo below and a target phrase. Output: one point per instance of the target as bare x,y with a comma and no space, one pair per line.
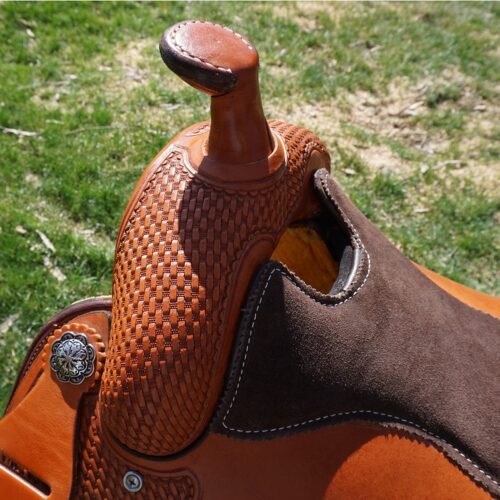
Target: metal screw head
132,481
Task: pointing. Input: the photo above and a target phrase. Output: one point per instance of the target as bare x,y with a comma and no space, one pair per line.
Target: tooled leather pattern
175,264
100,471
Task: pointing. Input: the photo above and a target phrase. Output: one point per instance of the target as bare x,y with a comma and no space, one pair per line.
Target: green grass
88,80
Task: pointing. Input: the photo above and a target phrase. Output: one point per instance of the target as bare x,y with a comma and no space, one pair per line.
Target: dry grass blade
8,322
19,133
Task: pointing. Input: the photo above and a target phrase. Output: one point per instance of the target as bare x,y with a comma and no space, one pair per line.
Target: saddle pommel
207,212
225,65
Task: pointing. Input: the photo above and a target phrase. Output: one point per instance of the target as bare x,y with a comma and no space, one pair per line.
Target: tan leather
38,432
348,461
478,300
184,259
351,460
303,251
354,460
94,319
209,209
394,466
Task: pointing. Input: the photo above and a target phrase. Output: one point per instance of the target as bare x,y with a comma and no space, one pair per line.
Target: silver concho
72,358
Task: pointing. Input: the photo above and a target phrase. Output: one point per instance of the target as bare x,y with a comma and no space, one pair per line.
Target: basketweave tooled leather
178,262
100,470
80,308
247,469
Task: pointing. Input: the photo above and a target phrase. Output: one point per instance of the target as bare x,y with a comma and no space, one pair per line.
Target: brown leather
352,460
100,468
31,365
13,486
198,225
184,259
395,466
478,300
224,64
391,347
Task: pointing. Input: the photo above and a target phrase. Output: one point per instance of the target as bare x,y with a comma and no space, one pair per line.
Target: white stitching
339,414
244,40
250,338
253,325
332,199
378,414
173,36
356,235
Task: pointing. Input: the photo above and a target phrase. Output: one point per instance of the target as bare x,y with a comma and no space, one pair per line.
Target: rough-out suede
392,348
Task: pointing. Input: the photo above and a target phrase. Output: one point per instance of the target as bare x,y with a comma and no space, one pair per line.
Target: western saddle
263,338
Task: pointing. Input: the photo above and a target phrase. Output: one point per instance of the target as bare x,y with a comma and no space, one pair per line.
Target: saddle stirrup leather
263,338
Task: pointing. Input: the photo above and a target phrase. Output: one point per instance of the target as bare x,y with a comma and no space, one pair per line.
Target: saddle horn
206,213
220,62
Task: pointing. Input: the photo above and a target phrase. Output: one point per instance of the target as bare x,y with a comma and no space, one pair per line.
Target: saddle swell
183,262
208,211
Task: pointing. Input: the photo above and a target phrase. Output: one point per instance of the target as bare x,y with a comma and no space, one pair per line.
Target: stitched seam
332,199
378,414
255,319
253,325
244,40
338,414
308,148
182,49
358,239
342,213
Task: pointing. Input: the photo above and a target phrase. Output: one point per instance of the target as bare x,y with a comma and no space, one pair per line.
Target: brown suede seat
391,347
